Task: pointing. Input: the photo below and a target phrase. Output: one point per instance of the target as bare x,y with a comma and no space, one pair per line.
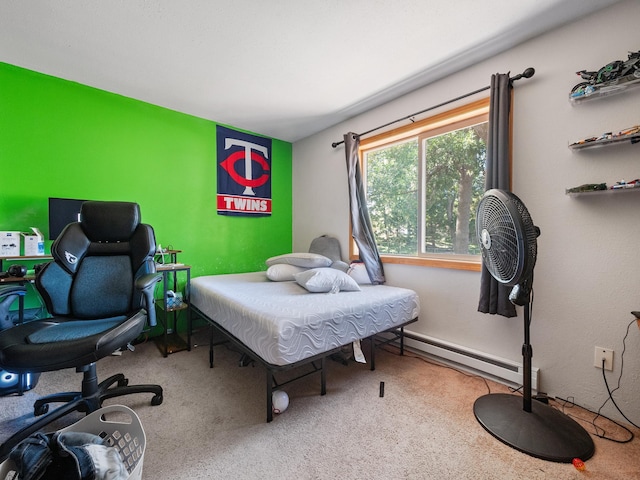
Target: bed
281,325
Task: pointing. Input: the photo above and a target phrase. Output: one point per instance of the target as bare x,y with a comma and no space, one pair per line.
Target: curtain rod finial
528,73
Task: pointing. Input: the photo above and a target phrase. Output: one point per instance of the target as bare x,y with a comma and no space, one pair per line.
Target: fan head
507,237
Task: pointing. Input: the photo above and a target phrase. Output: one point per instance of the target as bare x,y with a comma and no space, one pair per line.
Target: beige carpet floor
212,422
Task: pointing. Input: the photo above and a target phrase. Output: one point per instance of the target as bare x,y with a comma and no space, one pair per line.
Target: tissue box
33,243
174,302
10,244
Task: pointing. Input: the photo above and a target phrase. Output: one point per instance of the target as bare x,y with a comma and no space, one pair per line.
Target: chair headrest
327,246
109,221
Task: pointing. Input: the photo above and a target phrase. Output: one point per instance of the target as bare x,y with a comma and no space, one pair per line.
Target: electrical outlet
605,354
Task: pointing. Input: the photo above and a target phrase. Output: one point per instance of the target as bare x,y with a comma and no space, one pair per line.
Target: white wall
587,277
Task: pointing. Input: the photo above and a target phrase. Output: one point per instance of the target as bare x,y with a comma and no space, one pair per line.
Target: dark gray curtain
361,229
494,296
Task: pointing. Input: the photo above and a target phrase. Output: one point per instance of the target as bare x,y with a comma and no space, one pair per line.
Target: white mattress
283,323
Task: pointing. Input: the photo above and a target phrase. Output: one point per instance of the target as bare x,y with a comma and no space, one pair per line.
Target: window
423,183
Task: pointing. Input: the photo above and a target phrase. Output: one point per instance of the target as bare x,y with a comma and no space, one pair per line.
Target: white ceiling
282,68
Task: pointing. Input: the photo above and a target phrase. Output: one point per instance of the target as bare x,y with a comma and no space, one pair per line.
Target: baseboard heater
493,366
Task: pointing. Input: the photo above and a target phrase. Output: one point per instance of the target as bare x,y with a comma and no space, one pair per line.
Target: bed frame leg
323,376
269,396
211,346
372,340
401,340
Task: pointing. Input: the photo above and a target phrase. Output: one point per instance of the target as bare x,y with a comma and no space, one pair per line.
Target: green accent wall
62,139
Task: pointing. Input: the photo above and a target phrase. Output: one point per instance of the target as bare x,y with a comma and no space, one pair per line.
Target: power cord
597,428
599,431
604,377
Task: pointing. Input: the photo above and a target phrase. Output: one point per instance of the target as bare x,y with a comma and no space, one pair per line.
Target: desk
171,341
24,258
22,280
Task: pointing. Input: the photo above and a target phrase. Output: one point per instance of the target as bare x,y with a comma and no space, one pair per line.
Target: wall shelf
607,141
621,85
609,191
631,135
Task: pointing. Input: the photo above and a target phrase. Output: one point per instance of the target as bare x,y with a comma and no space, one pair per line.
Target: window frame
452,119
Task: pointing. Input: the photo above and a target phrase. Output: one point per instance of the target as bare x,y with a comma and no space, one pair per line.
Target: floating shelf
606,141
609,191
631,135
623,84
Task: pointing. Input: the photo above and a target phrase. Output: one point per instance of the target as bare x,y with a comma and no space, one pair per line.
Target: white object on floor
280,401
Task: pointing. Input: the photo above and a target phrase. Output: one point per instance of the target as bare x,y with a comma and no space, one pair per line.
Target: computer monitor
62,211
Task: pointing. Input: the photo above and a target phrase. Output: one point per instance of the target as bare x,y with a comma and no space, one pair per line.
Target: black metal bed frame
397,333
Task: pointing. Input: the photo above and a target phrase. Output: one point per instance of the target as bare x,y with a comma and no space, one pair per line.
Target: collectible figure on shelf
610,75
632,134
622,184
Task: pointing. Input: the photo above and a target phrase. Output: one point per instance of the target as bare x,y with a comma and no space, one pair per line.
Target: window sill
466,264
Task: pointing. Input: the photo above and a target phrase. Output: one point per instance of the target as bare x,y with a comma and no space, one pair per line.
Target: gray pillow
323,280
306,260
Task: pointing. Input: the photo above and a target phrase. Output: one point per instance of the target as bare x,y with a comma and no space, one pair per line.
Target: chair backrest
327,246
96,262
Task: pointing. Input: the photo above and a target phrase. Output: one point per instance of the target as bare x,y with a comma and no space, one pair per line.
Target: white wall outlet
605,354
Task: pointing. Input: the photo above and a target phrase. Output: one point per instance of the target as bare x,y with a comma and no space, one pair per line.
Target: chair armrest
8,294
145,284
12,289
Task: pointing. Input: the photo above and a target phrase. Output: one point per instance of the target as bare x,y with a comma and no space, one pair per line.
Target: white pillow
358,272
282,272
307,260
322,280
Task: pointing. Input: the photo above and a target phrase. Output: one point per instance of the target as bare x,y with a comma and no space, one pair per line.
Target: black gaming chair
99,291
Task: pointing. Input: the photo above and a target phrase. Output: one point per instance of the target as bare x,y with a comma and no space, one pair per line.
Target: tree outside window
454,165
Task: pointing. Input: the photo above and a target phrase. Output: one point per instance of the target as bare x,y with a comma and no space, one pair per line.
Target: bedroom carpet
212,422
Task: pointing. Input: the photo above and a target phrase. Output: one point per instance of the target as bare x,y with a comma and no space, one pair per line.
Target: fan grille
507,237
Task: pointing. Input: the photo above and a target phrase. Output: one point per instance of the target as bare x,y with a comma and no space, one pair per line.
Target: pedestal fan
508,241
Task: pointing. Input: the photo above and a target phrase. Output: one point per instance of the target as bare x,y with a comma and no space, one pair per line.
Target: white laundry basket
118,426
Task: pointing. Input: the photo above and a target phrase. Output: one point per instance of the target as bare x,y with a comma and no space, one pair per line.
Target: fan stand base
544,432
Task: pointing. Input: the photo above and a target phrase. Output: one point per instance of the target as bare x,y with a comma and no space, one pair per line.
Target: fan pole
527,354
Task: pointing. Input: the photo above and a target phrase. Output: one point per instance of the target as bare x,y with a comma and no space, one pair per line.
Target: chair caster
157,400
40,409
123,383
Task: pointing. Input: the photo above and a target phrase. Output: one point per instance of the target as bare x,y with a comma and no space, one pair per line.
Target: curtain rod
528,73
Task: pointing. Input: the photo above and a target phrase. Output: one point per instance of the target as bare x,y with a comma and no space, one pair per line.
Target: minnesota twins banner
244,173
